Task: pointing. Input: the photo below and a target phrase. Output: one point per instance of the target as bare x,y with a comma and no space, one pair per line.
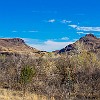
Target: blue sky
49,24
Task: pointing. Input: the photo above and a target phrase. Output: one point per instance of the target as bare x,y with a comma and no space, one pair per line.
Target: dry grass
13,95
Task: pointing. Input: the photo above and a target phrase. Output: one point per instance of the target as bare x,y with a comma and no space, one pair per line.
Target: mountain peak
90,35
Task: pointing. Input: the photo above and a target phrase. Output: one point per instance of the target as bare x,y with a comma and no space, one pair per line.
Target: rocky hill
89,42
18,46
15,45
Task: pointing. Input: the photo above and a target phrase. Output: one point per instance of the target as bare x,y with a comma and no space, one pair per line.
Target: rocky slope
89,43
15,45
18,46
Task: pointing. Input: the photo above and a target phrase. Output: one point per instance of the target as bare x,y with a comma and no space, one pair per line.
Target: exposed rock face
67,48
89,42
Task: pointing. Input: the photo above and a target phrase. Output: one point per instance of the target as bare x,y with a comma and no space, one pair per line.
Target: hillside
89,42
15,45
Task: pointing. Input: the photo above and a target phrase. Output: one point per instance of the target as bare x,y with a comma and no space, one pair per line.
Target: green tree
27,73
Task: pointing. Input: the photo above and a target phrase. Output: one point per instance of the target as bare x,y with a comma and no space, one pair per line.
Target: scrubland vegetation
66,77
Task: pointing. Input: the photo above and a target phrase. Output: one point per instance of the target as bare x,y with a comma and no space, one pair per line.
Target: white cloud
32,31
83,33
80,32
73,26
64,38
14,31
65,21
79,28
88,28
51,20
48,45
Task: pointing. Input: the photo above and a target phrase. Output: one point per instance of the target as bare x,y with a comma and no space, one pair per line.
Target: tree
26,76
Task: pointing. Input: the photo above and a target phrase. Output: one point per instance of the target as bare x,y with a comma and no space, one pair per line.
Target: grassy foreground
13,95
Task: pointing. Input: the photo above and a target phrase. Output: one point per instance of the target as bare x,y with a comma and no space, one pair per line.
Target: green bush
27,73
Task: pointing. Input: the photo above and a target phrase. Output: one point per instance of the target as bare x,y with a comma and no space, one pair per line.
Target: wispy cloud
65,21
73,26
83,28
84,33
80,33
32,31
60,21
88,28
64,38
51,20
14,31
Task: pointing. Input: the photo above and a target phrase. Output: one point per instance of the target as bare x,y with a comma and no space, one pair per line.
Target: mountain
89,42
15,45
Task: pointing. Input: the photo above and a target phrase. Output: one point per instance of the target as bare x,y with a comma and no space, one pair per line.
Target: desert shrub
60,76
27,73
87,67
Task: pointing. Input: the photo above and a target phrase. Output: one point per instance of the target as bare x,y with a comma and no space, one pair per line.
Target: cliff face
89,42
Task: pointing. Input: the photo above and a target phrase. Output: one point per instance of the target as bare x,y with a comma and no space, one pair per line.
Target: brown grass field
13,95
